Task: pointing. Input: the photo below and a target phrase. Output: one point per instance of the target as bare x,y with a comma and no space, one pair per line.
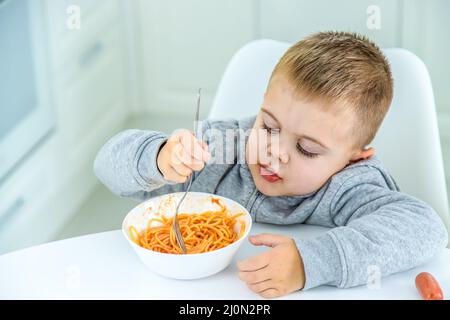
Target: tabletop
104,266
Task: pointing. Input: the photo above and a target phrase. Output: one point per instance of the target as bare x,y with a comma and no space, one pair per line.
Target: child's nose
279,152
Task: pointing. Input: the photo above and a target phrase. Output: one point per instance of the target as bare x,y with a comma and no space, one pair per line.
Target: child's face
299,141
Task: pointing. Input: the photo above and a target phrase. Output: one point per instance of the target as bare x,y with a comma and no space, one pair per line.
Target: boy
304,161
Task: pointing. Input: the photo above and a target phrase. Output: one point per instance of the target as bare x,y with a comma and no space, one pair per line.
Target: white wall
426,30
291,20
186,45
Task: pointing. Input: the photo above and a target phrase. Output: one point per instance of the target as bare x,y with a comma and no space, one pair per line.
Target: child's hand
182,154
276,272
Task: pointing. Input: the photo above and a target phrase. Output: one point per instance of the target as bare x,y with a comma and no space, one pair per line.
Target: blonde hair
341,68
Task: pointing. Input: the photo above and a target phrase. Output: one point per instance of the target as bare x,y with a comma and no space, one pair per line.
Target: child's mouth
268,175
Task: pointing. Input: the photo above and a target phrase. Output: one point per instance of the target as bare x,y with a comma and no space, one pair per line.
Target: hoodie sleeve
377,230
126,165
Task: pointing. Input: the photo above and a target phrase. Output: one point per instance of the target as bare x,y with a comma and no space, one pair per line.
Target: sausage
428,287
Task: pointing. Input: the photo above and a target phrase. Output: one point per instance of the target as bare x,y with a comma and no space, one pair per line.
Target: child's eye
306,153
270,130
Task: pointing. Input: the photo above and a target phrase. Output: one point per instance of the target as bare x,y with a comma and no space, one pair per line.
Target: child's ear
364,154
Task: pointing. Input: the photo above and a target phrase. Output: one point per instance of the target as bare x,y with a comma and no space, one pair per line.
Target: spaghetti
202,232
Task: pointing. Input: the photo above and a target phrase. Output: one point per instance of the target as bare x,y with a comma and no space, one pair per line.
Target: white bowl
184,266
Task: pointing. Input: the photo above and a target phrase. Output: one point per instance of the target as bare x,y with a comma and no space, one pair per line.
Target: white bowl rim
213,252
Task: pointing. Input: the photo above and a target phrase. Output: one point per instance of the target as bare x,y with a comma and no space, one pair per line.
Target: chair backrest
408,141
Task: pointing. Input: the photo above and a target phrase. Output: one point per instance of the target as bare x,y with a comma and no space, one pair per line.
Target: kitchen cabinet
88,72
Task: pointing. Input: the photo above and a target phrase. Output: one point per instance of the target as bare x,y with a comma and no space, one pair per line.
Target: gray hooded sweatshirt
371,222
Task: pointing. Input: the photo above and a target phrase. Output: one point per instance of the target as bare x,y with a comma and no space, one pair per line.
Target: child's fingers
182,170
258,276
254,263
195,151
261,286
270,293
268,239
191,145
179,155
182,157
194,147
173,175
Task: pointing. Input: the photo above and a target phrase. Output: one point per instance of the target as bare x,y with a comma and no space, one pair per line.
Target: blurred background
74,73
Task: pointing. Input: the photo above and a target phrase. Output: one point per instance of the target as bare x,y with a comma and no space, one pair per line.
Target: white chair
408,141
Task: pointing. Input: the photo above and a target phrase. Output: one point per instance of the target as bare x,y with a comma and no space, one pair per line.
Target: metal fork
176,226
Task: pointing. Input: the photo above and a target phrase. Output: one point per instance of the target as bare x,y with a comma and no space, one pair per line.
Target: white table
103,266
